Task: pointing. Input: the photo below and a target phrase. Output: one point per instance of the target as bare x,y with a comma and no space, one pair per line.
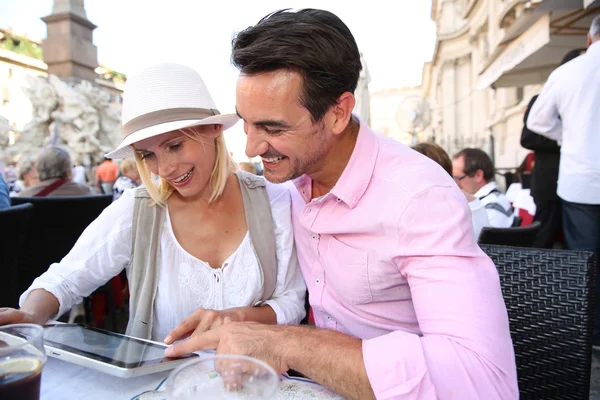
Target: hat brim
125,149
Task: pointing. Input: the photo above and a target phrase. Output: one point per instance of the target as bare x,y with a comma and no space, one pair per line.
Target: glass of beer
22,358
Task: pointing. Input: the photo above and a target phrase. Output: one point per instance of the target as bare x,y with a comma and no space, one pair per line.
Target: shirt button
329,318
318,281
314,237
338,199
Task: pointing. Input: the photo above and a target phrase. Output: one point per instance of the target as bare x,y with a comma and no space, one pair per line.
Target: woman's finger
184,329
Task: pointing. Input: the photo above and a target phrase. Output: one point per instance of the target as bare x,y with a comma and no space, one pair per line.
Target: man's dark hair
314,43
476,159
571,55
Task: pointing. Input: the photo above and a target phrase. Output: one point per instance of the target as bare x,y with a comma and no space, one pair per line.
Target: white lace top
185,282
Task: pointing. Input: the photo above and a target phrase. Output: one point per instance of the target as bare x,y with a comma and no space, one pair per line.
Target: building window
519,94
5,95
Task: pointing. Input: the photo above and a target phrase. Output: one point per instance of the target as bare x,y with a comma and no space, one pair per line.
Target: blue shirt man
4,197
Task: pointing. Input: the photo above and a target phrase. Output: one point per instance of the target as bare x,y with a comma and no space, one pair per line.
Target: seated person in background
53,166
183,238
436,153
129,179
247,166
27,175
4,197
106,175
79,174
473,170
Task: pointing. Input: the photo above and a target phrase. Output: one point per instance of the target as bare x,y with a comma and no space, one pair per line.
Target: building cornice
22,60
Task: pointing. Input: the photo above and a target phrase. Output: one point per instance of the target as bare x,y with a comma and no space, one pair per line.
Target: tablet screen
105,346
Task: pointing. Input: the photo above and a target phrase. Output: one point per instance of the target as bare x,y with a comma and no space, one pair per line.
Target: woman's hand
203,320
14,316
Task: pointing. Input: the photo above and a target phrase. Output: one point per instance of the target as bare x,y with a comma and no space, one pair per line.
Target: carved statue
35,133
110,118
79,117
4,129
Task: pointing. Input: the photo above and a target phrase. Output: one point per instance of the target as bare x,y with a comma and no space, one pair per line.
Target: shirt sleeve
4,195
544,118
100,253
464,349
479,218
288,299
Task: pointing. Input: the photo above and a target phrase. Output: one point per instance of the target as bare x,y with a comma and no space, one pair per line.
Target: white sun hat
163,98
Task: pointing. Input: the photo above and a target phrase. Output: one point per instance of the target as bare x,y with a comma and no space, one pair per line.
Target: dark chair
520,236
549,295
56,224
14,222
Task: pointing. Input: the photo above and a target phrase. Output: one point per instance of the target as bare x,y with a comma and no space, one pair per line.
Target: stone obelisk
68,49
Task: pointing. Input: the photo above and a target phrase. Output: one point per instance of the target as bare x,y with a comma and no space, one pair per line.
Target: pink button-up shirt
389,256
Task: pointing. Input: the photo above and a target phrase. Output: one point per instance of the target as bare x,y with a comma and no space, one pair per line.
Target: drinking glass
219,377
22,358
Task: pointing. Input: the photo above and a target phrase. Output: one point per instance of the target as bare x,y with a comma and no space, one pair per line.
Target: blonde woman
200,243
129,179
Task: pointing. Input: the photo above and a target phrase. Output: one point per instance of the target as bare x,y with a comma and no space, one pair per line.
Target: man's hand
251,339
203,320
14,316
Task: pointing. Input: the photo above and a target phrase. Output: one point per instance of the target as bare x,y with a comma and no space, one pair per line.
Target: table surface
63,380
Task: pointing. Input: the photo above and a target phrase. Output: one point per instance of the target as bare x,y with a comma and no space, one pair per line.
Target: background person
544,176
106,174
27,175
129,179
53,165
479,217
474,173
567,111
4,196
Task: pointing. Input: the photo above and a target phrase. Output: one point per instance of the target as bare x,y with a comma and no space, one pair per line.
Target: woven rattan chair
549,295
521,236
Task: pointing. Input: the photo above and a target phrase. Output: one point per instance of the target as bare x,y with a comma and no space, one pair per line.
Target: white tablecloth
65,381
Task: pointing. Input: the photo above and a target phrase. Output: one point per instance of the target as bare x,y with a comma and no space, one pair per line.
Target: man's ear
213,131
479,175
341,112
589,40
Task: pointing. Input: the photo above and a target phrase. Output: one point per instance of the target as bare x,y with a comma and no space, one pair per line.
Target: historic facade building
490,58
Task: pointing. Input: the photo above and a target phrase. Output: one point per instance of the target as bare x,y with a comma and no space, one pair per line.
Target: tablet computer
108,352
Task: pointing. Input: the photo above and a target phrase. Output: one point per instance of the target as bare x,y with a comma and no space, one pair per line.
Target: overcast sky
396,37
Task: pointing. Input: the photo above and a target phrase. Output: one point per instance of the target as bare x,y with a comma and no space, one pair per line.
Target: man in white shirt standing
473,171
568,111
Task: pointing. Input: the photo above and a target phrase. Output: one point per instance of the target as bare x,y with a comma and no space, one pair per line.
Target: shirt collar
355,178
593,48
485,189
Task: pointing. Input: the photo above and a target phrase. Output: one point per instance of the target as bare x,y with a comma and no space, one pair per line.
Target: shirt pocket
348,272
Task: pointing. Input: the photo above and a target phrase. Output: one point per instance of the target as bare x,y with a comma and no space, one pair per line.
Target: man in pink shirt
406,304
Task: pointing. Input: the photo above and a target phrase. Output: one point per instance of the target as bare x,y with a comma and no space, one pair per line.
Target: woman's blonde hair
128,164
160,189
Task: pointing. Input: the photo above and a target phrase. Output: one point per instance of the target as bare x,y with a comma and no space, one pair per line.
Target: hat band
169,115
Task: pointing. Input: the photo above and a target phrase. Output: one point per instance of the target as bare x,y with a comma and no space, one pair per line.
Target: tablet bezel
108,360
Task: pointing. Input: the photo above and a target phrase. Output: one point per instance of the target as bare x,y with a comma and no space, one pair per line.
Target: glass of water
219,377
